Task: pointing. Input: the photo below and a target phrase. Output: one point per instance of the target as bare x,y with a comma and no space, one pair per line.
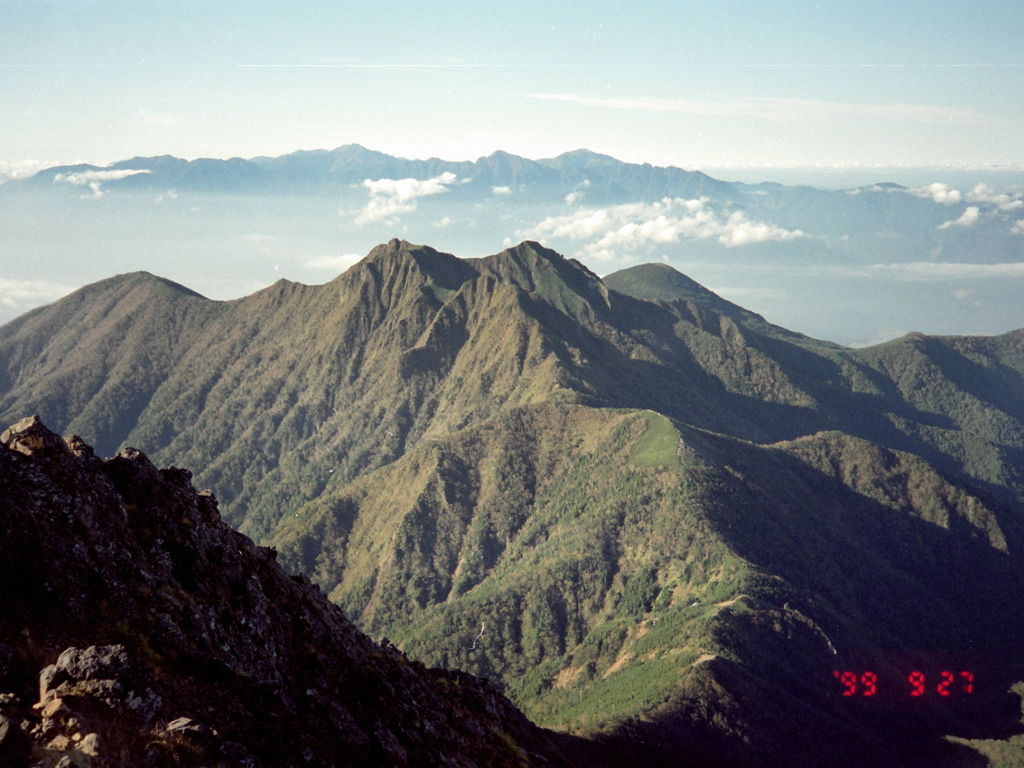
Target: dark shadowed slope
660,282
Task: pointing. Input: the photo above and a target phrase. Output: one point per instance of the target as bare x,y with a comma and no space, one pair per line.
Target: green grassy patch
658,446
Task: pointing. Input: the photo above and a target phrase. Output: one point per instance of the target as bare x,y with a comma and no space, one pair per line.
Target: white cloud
391,197
1018,227
983,193
968,219
409,189
624,229
577,192
940,193
95,179
739,230
25,294
930,270
782,110
86,177
22,169
445,222
501,190
335,263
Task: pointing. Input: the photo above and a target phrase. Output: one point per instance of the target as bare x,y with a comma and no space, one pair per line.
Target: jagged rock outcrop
138,629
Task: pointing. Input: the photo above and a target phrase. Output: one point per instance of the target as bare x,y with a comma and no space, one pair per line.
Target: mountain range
334,171
647,513
856,266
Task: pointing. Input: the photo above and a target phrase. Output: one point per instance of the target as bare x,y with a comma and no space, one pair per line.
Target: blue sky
693,84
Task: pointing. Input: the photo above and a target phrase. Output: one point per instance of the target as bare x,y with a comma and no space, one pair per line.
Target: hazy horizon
830,95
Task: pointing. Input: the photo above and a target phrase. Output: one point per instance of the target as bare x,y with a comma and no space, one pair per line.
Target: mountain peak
579,158
506,167
355,152
565,283
498,154
659,281
444,269
159,286
399,248
656,281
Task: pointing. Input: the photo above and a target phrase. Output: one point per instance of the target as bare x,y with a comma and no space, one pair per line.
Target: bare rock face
137,629
30,436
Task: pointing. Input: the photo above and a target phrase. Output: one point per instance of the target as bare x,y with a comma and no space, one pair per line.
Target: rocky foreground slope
137,629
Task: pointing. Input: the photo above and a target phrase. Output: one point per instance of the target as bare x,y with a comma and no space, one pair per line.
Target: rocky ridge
138,629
